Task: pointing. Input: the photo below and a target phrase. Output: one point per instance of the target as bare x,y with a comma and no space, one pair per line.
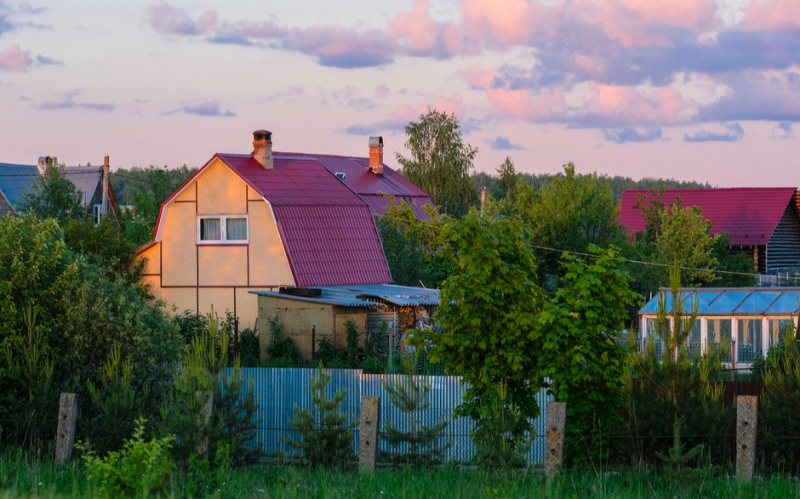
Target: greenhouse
748,320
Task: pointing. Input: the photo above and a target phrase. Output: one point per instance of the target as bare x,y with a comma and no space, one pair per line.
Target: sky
705,90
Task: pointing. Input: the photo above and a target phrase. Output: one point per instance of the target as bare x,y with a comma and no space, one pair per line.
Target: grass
21,476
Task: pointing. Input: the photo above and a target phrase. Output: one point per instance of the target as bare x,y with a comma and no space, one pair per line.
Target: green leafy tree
417,444
326,439
440,162
580,329
489,308
415,249
54,196
569,213
106,245
507,179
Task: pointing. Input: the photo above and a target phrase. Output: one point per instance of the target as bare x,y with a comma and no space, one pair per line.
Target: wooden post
65,434
556,419
746,421
368,433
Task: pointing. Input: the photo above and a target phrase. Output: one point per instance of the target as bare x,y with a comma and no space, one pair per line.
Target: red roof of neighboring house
327,230
749,214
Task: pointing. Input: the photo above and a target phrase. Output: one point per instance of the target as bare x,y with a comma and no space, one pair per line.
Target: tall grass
21,476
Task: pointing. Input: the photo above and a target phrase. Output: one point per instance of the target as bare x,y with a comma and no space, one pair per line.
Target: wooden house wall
783,249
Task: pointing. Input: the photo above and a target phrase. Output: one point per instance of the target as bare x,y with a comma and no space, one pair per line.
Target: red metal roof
749,214
327,230
371,187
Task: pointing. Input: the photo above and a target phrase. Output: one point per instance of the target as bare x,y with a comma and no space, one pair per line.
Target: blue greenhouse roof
731,301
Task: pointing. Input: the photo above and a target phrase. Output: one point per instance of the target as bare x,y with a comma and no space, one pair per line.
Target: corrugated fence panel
279,390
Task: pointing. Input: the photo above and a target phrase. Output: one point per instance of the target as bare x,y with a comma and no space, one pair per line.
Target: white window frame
223,228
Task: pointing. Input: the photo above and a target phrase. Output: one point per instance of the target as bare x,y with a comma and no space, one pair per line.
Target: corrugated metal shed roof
16,181
733,301
749,214
327,230
360,295
328,300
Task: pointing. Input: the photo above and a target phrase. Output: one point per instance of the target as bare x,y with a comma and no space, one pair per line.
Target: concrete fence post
746,422
368,433
556,419
67,420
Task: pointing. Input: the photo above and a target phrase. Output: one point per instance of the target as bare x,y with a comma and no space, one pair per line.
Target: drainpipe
104,202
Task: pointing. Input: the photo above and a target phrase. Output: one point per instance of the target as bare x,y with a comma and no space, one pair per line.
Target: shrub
139,469
280,345
326,438
779,411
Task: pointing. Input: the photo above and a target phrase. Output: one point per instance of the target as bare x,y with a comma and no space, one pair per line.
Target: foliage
281,346
580,328
140,469
489,308
82,313
502,435
326,438
327,353
352,343
507,179
779,414
674,388
115,403
29,364
104,244
415,251
422,443
54,196
249,348
570,213
211,410
440,161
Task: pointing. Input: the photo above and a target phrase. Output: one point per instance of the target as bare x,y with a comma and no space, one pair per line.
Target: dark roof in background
750,214
327,230
86,179
16,181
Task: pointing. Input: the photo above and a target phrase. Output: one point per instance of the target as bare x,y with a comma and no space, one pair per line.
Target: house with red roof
763,222
267,220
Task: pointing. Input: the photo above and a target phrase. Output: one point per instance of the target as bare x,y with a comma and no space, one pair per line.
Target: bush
779,410
326,438
280,345
140,469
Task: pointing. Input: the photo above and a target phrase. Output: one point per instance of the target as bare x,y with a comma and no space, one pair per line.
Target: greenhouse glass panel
725,303
757,302
787,303
693,340
719,335
778,329
749,344
653,338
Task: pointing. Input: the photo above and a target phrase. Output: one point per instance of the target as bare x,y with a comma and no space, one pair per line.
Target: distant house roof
87,179
750,215
327,230
16,181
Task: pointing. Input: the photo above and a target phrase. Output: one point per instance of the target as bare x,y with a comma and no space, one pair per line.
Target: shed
315,312
751,319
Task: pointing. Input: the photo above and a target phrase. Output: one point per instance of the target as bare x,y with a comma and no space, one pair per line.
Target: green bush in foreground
139,469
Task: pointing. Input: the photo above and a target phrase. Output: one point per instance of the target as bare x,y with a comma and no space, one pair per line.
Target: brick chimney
262,148
376,155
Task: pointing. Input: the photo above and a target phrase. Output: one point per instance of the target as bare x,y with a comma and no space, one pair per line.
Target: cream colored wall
195,277
179,246
268,263
298,316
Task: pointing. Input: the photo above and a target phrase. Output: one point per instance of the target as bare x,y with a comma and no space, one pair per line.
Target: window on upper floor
222,229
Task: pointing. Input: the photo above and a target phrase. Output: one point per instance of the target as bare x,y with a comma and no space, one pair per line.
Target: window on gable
222,229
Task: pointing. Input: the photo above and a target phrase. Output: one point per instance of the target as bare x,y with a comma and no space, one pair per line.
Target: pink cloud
170,20
15,59
772,15
420,35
